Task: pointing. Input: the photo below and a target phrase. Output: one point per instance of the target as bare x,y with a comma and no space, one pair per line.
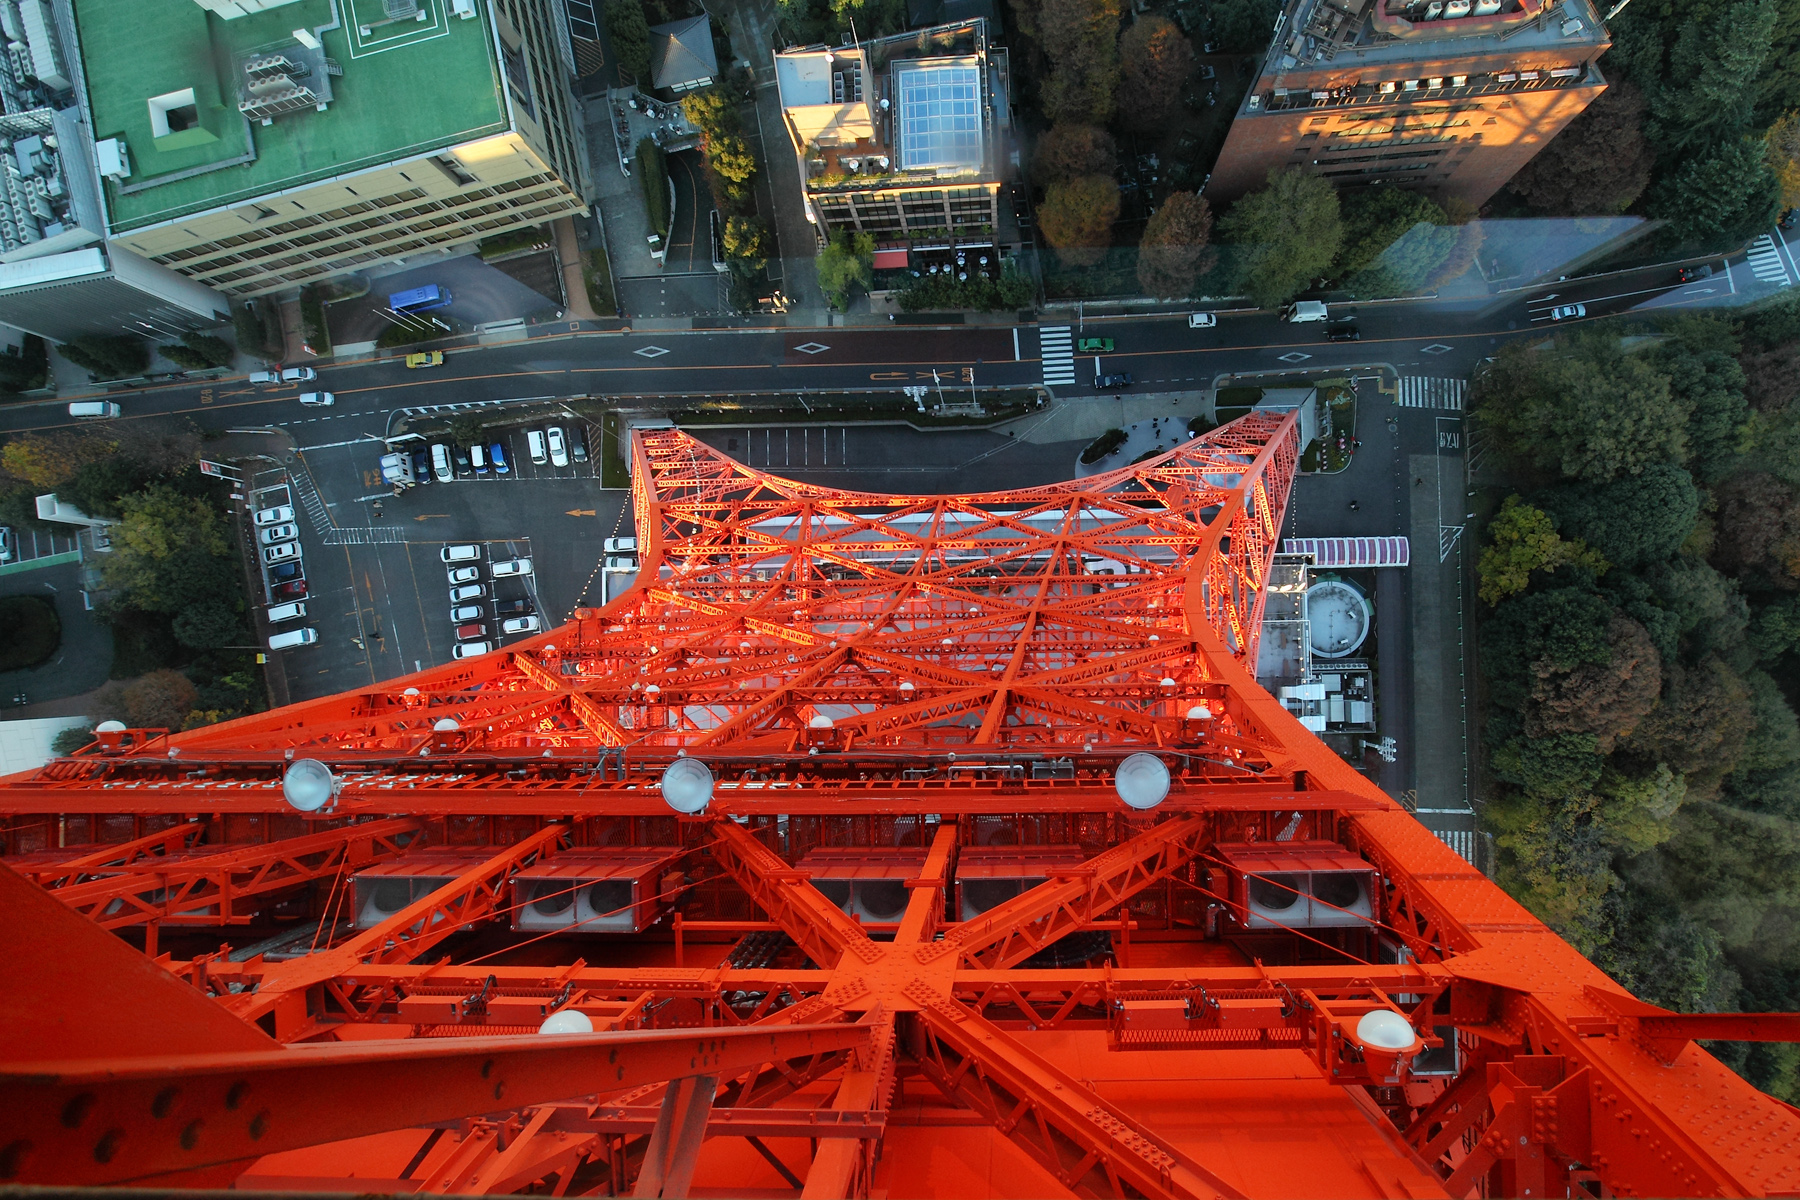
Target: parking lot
376,589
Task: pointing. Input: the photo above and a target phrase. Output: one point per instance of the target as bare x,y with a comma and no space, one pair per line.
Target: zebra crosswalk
1417,391
308,496
1766,262
1057,348
1460,840
363,535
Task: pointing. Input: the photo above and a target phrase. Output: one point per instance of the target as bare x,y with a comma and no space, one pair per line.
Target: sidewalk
1087,417
568,256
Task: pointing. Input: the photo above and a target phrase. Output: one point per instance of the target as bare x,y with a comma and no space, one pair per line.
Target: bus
419,299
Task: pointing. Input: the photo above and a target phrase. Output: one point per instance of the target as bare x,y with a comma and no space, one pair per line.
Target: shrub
1102,446
185,357
216,351
33,632
108,357
938,292
653,170
312,320
23,368
596,273
532,238
253,333
630,35
407,335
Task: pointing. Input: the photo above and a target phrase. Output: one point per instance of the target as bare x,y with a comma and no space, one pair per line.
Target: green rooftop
407,87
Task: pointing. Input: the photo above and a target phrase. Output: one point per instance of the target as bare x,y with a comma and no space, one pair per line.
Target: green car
1094,345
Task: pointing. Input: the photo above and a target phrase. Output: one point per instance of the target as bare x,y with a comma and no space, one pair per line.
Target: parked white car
521,625
271,516
559,446
1202,320
469,591
274,534
469,649
461,575
281,553
512,566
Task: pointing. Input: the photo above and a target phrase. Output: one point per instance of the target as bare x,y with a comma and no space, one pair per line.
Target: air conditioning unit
594,891
988,876
380,891
1298,885
868,883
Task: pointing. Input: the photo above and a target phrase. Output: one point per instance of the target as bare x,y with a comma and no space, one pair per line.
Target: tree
1699,356
156,700
1374,219
1077,218
1717,62
1244,26
1287,235
1597,165
1633,521
47,460
97,487
1605,700
846,263
108,357
1464,252
711,111
1700,727
1068,151
25,367
1525,540
1175,250
1720,195
184,357
71,739
1081,40
208,625
746,244
1583,410
630,37
216,351
157,544
1782,142
1533,636
1156,60
1759,531
732,159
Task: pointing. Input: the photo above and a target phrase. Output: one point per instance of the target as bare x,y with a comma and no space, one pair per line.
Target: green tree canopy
1068,151
1719,195
1634,520
1524,540
1375,219
1597,165
1710,95
629,34
1244,26
1077,218
1156,60
846,265
1583,410
1176,249
1285,235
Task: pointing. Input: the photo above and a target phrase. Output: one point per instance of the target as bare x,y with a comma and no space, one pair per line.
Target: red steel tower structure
870,846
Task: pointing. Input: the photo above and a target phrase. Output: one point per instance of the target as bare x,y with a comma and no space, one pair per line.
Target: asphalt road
1162,353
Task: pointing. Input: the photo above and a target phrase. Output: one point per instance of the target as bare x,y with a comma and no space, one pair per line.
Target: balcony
1397,91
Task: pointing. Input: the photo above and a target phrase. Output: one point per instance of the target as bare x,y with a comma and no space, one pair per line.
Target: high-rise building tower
1446,97
899,845
254,147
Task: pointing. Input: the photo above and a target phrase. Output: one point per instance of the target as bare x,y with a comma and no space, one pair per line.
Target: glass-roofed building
901,137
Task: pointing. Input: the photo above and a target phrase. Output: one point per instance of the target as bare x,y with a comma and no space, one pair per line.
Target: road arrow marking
580,512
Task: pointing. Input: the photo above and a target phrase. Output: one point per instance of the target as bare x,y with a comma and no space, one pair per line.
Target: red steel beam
119,856
87,1122
474,895
203,890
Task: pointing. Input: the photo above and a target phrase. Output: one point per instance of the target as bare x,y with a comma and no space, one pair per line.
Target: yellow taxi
426,358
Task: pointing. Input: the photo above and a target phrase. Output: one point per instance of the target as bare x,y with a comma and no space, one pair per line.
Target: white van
286,612
440,463
534,442
1301,311
265,377
94,410
294,637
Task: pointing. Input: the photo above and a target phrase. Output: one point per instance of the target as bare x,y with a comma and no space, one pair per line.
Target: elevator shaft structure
912,845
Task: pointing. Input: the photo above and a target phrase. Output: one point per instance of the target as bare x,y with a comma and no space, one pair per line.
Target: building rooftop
1341,34
682,53
166,77
919,106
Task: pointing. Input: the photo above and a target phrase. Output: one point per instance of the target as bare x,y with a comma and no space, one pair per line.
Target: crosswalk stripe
1460,840
367,535
1765,261
1057,348
1417,391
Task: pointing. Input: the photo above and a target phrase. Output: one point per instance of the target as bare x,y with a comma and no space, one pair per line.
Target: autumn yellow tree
1077,218
1525,540
48,459
1783,142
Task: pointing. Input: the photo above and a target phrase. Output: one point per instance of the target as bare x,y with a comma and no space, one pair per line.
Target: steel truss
943,677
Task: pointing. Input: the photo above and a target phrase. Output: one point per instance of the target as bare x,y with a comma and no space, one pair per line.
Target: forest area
172,585
1640,653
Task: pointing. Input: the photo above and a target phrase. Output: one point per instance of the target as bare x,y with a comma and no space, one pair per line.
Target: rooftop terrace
407,87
